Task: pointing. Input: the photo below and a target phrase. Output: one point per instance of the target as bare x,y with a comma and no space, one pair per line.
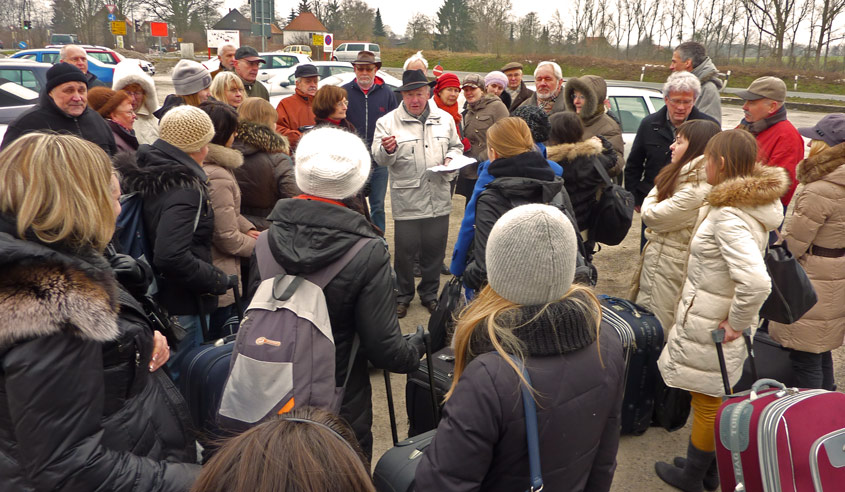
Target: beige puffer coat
230,242
594,114
726,280
670,224
416,192
819,219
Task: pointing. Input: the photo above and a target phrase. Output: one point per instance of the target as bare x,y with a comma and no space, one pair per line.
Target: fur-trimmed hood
128,72
821,165
758,194
158,168
594,90
572,151
45,290
224,157
253,137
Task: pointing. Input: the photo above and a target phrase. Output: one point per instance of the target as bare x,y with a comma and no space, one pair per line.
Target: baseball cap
765,87
248,53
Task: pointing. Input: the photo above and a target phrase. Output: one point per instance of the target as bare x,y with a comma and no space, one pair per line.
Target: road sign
216,38
158,29
22,45
317,39
118,27
112,17
111,8
328,43
438,71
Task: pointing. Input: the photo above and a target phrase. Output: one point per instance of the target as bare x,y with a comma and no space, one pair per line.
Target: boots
711,478
690,478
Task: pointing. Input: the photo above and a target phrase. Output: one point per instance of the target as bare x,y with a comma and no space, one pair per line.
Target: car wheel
334,58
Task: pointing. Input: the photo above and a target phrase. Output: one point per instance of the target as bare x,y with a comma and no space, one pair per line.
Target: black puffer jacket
47,116
308,235
525,178
77,412
481,444
579,173
174,188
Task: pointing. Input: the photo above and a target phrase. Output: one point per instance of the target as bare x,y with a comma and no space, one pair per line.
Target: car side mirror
284,83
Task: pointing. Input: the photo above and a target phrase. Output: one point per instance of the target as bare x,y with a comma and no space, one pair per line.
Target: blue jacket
365,109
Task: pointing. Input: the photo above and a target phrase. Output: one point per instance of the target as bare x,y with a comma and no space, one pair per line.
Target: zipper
366,114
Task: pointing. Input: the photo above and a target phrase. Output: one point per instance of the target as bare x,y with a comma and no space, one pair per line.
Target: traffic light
27,24
137,25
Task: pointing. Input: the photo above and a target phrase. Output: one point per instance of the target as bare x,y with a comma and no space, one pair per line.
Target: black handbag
792,292
613,214
671,406
442,320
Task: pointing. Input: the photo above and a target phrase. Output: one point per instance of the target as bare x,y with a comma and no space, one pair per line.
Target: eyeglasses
681,102
135,93
343,102
364,68
578,97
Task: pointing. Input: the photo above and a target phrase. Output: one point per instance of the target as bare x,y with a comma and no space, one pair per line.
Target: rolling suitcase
418,404
773,438
642,339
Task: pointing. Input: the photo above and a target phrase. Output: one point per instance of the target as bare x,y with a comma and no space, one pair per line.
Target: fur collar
153,180
224,157
820,165
263,138
764,186
570,152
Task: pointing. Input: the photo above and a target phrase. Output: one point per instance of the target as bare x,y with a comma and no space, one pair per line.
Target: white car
274,63
629,105
349,51
343,78
282,83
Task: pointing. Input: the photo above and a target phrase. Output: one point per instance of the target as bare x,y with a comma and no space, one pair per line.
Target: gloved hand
417,341
232,281
129,273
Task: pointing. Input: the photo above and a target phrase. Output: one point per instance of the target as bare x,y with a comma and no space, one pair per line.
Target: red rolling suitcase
773,438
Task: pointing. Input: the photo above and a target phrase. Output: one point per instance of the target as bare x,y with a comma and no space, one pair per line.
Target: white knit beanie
189,77
187,128
331,163
531,255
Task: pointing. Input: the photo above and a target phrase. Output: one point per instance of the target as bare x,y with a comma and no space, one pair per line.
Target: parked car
629,105
348,52
14,100
274,63
302,49
110,57
29,74
63,39
343,78
51,55
282,83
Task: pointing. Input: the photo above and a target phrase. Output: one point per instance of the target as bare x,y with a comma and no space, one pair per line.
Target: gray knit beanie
331,163
189,77
187,128
531,255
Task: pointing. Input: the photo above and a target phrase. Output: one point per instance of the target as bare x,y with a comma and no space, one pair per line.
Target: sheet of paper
458,161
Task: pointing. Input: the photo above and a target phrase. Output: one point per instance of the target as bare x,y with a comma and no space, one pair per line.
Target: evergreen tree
378,26
292,15
303,6
455,26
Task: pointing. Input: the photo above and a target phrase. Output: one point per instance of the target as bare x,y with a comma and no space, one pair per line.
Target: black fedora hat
414,79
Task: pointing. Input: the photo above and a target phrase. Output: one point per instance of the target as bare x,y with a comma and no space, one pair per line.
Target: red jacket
781,145
294,112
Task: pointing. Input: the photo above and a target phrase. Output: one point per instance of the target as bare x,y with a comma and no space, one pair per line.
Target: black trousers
428,238
814,371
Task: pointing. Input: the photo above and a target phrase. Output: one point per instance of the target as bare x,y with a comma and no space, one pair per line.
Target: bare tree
418,31
830,10
491,23
180,14
772,17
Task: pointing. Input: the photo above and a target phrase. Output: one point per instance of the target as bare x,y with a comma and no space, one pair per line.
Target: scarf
452,110
760,126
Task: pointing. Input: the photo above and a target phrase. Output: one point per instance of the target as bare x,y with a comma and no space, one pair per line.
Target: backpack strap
268,267
601,170
531,433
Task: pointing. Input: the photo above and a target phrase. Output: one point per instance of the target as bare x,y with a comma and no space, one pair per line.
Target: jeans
378,189
813,371
193,338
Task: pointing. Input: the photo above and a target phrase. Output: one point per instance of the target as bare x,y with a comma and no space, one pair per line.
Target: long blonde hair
58,187
817,147
487,316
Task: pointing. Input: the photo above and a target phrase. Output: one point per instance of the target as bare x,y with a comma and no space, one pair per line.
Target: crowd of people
88,400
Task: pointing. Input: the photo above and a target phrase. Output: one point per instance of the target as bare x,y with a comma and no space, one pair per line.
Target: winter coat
580,177
170,102
650,151
709,101
308,235
523,94
781,145
416,192
521,179
255,89
365,109
124,140
559,104
266,175
726,280
174,188
46,116
594,114
78,411
818,219
229,242
146,126
480,443
294,113
477,119
670,225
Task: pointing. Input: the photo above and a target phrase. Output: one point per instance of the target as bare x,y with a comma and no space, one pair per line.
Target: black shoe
431,306
690,478
444,270
401,310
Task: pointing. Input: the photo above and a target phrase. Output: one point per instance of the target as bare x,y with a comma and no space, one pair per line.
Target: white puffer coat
670,224
146,126
726,280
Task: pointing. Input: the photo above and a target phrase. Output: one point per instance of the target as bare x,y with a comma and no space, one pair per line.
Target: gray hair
692,51
225,46
682,82
555,67
418,56
66,48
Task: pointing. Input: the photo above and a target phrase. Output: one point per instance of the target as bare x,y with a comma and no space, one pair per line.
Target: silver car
348,52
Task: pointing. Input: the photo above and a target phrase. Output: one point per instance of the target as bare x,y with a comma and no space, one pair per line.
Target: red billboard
158,29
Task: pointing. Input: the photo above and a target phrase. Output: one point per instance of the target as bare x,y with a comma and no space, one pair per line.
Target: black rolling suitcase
396,469
642,338
418,403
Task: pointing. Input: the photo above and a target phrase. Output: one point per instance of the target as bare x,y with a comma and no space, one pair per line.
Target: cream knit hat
186,128
531,255
331,163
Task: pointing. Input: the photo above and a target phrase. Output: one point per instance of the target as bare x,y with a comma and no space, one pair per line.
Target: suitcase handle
718,336
765,383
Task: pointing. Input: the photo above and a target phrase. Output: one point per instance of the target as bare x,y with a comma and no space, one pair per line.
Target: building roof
306,21
233,21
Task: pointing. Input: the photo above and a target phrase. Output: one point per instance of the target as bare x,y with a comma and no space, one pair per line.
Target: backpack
284,354
613,214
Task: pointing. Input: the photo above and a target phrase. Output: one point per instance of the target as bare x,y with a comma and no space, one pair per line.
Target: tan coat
726,280
478,118
670,224
819,219
594,115
230,242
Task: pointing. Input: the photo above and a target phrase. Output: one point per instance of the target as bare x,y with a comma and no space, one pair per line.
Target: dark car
26,73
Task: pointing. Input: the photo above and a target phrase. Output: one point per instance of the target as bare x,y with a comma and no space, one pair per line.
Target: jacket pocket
254,387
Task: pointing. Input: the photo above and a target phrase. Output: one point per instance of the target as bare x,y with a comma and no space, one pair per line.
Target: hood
570,152
706,72
521,189
157,168
525,165
128,72
56,287
594,90
758,194
253,137
821,165
170,102
224,157
307,235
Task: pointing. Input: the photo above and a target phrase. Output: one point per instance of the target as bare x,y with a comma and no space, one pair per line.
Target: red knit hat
447,80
